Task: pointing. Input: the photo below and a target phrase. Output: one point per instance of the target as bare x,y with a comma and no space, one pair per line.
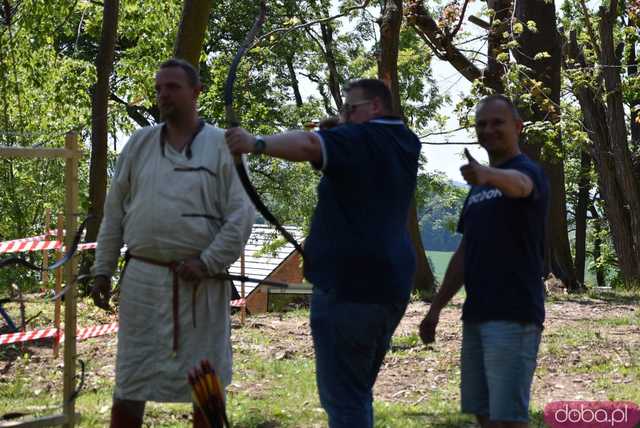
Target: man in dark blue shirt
500,262
359,255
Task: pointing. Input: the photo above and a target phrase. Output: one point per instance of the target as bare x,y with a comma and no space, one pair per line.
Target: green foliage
43,95
607,261
441,204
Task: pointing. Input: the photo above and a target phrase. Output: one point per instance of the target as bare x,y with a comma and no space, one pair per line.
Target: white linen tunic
169,208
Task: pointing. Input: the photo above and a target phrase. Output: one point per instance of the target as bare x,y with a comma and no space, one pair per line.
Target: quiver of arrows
208,394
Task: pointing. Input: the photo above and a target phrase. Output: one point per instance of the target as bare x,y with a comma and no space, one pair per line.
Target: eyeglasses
348,108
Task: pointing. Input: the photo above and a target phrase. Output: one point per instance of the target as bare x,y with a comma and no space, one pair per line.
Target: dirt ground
405,377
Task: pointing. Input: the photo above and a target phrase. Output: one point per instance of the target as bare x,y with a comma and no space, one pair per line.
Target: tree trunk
193,25
326,100
594,116
557,250
294,81
616,214
424,280
500,24
390,24
597,247
584,185
625,174
330,58
99,117
634,105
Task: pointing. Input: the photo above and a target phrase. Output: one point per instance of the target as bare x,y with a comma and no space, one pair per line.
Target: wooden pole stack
71,155
70,274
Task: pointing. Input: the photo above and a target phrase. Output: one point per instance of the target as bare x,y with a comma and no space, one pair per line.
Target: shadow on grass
458,420
602,298
439,419
257,422
617,298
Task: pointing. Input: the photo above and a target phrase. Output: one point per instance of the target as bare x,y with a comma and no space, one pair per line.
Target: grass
439,261
277,389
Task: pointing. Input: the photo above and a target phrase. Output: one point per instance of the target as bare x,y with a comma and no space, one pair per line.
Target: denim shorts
498,359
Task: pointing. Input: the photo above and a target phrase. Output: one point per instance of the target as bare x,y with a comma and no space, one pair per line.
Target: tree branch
450,143
464,10
441,45
286,30
134,112
592,34
451,131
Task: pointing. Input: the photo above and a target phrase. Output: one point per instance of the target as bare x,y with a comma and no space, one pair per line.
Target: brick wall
290,270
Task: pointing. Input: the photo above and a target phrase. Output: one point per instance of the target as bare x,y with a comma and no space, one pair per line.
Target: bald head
499,98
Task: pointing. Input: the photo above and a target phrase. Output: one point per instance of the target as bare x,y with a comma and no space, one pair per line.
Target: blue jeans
498,359
350,342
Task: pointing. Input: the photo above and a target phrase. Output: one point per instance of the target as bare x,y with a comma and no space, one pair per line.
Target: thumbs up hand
473,172
470,158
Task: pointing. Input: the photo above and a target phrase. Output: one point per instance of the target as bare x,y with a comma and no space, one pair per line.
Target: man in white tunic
175,200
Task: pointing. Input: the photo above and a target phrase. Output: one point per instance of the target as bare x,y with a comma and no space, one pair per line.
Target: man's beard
169,112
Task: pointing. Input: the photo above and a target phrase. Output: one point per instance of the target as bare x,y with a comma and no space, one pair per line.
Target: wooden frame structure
71,155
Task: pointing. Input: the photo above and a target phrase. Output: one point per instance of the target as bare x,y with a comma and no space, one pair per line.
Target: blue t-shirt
359,245
504,249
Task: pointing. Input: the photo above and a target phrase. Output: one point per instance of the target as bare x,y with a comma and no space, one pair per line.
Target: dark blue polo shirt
359,245
504,250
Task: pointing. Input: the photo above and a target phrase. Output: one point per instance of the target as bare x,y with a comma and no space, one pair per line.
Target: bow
67,256
232,122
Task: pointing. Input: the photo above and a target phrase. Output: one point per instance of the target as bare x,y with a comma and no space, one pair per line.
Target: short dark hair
372,88
329,122
500,97
192,74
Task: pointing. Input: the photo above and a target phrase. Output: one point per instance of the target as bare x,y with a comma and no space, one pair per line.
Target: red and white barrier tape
81,334
31,239
52,233
89,246
27,336
100,330
21,247
238,303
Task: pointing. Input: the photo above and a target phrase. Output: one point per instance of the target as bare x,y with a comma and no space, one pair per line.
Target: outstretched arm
510,182
296,146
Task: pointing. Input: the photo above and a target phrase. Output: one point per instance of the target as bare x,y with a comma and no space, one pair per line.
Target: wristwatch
260,145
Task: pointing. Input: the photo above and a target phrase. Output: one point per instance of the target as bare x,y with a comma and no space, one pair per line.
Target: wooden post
243,307
70,273
45,253
58,287
71,155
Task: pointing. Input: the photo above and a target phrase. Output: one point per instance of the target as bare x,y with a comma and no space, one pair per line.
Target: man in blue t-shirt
358,256
500,262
